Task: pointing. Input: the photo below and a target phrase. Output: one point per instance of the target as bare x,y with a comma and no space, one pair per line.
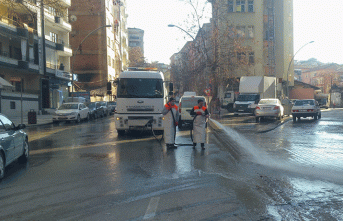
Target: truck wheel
121,132
294,119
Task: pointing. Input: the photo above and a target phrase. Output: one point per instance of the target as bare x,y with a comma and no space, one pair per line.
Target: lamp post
171,25
287,88
78,48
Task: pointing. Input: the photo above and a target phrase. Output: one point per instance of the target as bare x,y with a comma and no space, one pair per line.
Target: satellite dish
73,18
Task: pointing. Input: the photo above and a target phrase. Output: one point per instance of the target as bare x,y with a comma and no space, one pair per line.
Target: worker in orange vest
200,114
171,116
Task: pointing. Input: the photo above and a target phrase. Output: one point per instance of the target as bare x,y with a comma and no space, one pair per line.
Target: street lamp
78,48
171,25
287,88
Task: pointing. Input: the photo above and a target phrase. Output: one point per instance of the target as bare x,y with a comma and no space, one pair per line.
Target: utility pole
43,53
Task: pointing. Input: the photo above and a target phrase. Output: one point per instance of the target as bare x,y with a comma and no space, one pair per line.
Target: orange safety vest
174,106
203,108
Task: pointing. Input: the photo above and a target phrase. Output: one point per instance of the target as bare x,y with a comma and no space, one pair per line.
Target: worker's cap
200,100
171,99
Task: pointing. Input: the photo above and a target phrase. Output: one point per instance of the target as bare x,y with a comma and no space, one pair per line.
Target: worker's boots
202,146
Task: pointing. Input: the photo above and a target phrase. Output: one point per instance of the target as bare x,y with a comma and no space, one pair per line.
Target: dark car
112,105
14,144
105,107
95,110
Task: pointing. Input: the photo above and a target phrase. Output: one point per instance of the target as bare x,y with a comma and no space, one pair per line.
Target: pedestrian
171,117
200,114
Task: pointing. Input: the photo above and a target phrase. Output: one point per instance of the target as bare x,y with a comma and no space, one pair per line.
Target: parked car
71,112
306,108
185,106
269,108
112,105
14,143
105,107
95,110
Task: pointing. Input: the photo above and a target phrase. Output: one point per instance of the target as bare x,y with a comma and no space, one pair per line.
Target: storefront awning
4,83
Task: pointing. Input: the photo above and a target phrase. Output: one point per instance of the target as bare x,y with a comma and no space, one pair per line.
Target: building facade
40,80
256,33
136,38
101,27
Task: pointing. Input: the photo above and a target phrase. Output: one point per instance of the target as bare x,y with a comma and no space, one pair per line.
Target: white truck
228,100
251,90
141,96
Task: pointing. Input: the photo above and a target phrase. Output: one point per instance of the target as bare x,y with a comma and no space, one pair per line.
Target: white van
185,106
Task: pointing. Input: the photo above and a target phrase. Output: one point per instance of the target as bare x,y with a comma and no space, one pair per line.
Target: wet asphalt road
87,172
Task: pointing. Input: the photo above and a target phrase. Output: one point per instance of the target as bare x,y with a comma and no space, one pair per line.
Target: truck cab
141,96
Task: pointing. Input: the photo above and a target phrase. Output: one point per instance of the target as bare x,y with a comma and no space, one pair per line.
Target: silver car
14,143
270,107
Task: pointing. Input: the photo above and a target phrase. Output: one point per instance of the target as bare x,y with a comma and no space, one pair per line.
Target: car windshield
68,106
304,102
103,103
91,105
267,102
140,88
228,95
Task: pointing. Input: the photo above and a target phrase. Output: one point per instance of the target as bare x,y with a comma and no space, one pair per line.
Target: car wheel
279,117
294,119
257,119
121,132
2,165
25,156
88,117
320,116
78,119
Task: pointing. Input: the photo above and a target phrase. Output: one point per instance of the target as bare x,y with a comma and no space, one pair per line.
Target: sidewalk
41,120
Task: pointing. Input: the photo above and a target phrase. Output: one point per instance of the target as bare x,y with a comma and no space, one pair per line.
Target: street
273,170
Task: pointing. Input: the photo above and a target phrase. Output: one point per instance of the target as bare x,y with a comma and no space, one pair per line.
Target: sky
314,20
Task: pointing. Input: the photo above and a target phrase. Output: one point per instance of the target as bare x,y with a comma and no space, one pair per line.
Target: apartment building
37,85
136,38
258,31
103,53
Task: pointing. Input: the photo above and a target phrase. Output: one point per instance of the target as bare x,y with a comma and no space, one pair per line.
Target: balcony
63,49
57,22
63,75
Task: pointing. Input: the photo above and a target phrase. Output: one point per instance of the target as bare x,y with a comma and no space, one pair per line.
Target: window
251,6
108,60
240,5
53,37
240,31
230,5
52,10
251,58
12,105
250,31
240,56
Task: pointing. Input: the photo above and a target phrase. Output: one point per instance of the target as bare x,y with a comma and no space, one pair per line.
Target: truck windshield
248,97
140,88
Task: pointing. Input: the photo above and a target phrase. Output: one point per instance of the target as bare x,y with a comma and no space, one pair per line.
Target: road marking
151,211
112,143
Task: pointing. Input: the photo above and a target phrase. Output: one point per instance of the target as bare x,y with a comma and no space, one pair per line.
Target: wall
301,93
29,102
